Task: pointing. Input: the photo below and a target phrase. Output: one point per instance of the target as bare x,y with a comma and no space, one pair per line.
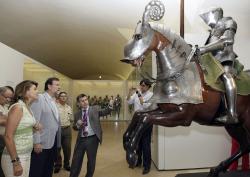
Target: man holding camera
140,97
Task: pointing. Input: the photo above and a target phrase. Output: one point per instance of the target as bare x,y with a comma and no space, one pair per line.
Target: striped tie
85,123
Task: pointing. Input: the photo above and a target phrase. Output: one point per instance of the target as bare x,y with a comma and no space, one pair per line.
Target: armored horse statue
182,93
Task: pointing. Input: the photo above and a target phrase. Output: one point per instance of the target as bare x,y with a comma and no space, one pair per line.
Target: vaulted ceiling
85,39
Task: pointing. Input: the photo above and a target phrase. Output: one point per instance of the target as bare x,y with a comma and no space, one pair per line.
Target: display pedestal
191,147
227,174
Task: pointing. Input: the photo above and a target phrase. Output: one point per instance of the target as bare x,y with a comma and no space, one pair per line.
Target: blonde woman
19,131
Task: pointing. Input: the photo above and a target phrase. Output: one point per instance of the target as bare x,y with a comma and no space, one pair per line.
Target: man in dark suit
87,122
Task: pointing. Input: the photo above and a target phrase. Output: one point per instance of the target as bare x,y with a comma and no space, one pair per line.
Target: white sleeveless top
23,137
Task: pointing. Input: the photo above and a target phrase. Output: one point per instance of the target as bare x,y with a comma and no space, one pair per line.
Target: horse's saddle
213,70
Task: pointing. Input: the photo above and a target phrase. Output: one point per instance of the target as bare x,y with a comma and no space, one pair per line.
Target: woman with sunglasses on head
19,131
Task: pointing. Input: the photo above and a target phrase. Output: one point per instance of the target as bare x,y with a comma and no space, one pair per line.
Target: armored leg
231,94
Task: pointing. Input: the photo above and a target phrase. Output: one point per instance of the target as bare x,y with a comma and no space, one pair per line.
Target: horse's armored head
134,51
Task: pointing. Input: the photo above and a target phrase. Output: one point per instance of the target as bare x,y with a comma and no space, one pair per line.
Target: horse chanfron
136,49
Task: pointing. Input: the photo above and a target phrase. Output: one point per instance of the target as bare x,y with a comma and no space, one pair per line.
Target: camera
138,93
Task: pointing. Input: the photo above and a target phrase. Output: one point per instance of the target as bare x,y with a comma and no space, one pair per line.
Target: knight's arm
225,40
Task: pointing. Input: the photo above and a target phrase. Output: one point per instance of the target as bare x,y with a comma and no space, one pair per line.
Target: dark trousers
42,164
2,145
118,110
66,137
90,146
144,148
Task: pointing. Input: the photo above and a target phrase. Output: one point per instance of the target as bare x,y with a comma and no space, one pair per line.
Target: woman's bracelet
17,159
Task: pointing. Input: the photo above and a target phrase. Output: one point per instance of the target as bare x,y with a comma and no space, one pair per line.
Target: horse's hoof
213,173
132,158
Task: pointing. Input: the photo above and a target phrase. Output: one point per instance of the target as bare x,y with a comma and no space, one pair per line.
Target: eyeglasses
143,85
6,97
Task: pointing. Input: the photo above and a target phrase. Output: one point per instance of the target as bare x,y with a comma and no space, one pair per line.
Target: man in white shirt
140,97
66,118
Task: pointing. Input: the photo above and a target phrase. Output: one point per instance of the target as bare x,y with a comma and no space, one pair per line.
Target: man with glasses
139,98
6,95
66,118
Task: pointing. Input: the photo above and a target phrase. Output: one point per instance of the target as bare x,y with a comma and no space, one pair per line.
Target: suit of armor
220,44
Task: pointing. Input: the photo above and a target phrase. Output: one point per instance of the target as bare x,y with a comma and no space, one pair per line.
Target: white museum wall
13,69
201,146
11,66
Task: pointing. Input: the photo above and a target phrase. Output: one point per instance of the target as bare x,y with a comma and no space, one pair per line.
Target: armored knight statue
220,44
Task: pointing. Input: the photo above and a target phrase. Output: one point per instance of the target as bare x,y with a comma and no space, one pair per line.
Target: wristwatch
17,159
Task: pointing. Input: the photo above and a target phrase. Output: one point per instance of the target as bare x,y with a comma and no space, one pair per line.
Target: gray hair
3,89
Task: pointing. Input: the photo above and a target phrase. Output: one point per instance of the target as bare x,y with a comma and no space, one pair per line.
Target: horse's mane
177,41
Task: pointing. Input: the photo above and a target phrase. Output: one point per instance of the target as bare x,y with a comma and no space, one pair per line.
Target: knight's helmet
143,34
212,16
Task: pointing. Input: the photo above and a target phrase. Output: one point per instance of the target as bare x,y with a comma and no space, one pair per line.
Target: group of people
36,126
113,104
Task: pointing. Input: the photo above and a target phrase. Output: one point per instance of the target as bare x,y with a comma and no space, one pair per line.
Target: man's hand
79,123
38,148
37,127
130,92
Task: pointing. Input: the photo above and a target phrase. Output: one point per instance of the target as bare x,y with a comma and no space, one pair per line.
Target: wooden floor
111,160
